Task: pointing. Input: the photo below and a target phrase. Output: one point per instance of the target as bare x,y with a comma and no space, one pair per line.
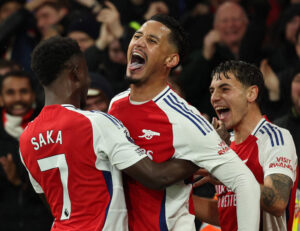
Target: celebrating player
267,150
166,127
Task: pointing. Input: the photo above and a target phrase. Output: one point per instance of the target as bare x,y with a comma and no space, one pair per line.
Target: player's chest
151,130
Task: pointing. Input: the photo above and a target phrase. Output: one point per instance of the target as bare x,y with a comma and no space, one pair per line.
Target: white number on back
59,161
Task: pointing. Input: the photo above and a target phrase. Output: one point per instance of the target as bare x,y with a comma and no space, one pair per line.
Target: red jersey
168,127
73,157
268,150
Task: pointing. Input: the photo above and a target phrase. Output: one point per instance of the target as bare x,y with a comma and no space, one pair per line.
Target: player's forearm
235,175
275,194
206,210
160,175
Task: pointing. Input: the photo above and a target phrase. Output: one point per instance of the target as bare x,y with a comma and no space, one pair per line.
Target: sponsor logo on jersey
148,134
222,148
281,162
128,136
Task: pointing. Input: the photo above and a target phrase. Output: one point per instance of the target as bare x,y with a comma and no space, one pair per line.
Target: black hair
9,64
177,36
50,57
18,74
247,74
57,5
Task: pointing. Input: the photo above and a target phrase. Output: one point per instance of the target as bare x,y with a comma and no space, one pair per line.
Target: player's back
82,188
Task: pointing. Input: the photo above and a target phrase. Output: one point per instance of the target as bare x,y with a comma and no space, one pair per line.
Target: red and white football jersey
166,127
268,150
73,157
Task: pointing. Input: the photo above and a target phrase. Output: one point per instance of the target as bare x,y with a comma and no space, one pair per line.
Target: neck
148,90
52,98
247,125
59,94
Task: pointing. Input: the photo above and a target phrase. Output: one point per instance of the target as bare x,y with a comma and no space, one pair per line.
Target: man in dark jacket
20,209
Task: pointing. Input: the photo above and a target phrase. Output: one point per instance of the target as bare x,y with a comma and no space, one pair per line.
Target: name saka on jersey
41,141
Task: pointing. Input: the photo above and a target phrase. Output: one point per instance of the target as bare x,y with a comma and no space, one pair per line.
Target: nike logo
148,134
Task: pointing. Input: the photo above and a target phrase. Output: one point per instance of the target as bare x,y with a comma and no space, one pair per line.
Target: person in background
99,93
21,208
232,37
84,29
291,120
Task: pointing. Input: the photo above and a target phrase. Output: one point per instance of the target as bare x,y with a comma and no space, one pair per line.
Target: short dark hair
177,36
18,74
50,56
4,63
246,73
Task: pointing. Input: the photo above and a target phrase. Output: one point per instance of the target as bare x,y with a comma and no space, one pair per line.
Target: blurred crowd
263,32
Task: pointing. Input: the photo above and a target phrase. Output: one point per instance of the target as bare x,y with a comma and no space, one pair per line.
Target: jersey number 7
59,161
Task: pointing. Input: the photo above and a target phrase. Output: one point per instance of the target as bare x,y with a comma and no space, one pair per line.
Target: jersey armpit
278,152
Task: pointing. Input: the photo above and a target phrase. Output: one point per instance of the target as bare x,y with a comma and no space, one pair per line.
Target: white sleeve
112,140
35,184
279,156
210,152
235,175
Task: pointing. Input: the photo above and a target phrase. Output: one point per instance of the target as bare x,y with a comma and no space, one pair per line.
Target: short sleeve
201,145
112,140
278,155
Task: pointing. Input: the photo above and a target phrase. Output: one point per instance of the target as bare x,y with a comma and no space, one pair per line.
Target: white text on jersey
148,134
41,141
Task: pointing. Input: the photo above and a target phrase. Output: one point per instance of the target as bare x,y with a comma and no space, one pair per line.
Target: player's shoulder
98,117
120,96
172,100
178,109
269,133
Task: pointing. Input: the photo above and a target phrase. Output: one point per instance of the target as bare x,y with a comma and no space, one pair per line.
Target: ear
172,60
252,93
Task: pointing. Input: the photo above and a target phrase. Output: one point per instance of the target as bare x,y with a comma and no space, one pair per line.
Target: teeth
138,54
18,106
221,108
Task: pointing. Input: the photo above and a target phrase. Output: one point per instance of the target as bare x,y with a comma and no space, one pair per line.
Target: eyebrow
151,35
220,86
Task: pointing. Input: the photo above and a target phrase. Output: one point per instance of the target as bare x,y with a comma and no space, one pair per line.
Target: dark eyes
136,36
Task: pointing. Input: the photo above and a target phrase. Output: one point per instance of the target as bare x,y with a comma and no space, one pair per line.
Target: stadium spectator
231,38
21,208
291,120
83,28
99,93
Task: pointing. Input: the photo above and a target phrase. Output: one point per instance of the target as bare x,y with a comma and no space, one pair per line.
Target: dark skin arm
160,175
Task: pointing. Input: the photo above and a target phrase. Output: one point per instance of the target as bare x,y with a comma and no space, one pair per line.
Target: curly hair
246,73
49,58
17,74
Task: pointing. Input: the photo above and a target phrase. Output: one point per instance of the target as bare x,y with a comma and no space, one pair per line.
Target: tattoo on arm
282,184
268,196
279,192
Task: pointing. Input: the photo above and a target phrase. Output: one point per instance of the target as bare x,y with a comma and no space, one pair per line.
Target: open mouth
137,62
222,112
